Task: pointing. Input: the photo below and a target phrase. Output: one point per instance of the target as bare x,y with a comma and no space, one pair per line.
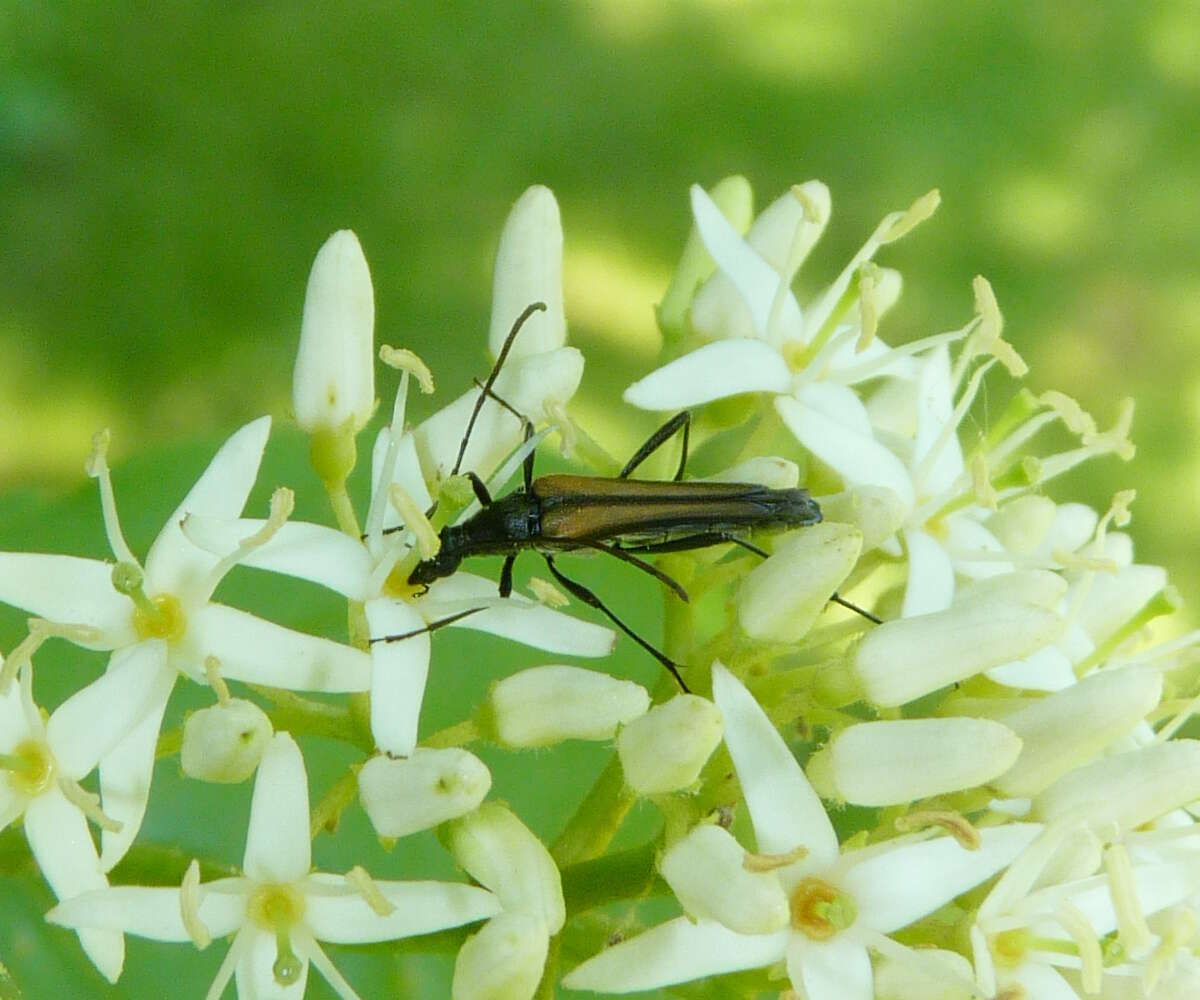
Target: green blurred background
167,173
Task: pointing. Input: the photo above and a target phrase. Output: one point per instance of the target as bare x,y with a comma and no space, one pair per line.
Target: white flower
406,794
41,764
839,905
333,386
279,909
665,749
166,607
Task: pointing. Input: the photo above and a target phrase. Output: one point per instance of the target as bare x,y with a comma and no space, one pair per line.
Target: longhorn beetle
625,518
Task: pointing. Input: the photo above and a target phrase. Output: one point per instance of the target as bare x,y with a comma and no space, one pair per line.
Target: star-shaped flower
279,909
42,762
166,607
834,906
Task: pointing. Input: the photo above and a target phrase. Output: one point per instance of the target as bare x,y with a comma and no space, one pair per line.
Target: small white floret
402,796
224,743
546,705
504,961
665,749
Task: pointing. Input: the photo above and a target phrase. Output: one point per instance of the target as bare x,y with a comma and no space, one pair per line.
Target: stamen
212,673
189,907
560,420
907,221
1074,417
1116,438
987,338
547,594
950,427
283,502
407,361
88,803
97,468
957,825
852,374
1084,935
415,520
985,493
771,862
1131,920
378,505
1176,937
39,631
359,880
868,305
814,212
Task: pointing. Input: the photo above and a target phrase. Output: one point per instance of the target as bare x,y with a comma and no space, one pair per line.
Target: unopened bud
504,961
546,705
528,269
706,870
894,762
782,597
333,386
224,743
665,749
404,795
500,853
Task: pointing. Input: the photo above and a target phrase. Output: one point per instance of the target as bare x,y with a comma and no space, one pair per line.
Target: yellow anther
405,360
957,825
359,879
917,212
770,862
88,803
415,520
548,594
1074,417
212,673
189,907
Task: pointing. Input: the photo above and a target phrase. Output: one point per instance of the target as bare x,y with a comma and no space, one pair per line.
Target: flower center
819,910
278,908
1009,947
31,767
160,617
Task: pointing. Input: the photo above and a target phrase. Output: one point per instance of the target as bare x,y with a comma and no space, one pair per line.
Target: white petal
398,674
96,718
545,705
255,975
504,961
408,794
1114,598
1040,981
935,409
68,590
756,281
14,726
154,913
261,652
307,946
1048,669
421,908
529,263
859,459
278,848
975,550
518,618
786,811
675,952
665,750
839,403
125,773
714,371
63,848
174,564
896,886
930,584
306,551
837,969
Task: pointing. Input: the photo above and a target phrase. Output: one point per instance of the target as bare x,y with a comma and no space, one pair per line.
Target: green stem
615,877
597,819
304,716
328,812
460,734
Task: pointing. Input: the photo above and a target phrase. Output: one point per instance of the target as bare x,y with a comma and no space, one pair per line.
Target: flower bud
498,851
407,794
926,974
1002,618
224,742
781,598
894,762
333,386
1072,726
528,269
706,871
734,197
665,749
545,705
1127,789
875,510
504,961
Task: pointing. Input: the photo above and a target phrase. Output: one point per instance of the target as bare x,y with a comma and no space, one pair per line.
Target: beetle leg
506,572
583,594
481,491
681,420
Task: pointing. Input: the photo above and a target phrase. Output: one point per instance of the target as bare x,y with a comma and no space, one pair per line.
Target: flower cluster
928,746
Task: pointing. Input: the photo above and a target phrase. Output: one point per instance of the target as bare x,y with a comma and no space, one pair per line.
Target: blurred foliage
166,176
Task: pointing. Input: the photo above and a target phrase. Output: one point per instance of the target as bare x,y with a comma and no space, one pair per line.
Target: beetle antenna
838,599
431,627
491,379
